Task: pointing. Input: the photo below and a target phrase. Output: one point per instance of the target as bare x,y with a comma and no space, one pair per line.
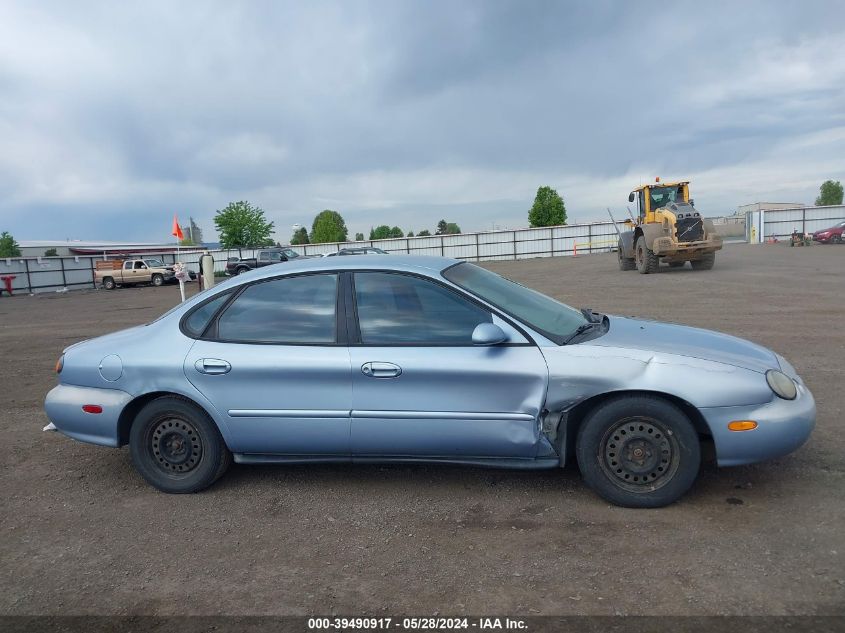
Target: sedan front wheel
638,451
176,447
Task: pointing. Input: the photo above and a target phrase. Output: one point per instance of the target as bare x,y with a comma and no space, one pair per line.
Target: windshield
290,253
154,263
661,196
555,320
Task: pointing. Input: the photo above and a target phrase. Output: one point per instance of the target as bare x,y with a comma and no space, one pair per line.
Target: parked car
424,359
237,266
131,272
171,279
833,235
358,250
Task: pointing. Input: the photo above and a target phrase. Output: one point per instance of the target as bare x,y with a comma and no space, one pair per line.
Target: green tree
8,246
829,193
187,242
328,226
300,236
381,232
446,228
409,234
359,237
548,209
424,233
51,252
242,225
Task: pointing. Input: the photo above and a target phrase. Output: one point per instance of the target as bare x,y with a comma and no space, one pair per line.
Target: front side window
291,310
395,309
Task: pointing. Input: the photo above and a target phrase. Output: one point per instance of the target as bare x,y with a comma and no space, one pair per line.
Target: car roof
407,263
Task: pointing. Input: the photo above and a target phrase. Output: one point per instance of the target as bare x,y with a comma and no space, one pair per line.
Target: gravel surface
83,534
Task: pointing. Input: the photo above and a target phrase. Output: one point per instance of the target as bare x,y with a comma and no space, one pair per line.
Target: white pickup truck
130,272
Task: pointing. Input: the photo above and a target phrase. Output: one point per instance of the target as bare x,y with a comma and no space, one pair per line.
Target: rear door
274,363
420,386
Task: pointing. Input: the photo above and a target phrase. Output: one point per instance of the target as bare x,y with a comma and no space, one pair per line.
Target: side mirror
691,202
488,334
631,197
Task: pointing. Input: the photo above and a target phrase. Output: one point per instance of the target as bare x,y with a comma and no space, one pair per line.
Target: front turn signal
60,363
742,425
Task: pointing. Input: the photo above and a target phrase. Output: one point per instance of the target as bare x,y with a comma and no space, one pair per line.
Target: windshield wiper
584,327
594,319
592,316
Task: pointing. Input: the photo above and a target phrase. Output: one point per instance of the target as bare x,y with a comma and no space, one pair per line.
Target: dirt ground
83,534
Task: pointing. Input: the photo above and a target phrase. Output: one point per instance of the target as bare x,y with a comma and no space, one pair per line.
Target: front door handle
212,366
377,369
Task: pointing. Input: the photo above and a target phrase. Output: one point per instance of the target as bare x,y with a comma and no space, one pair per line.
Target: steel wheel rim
174,445
639,454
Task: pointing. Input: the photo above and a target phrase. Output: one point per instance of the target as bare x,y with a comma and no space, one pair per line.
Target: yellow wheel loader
667,228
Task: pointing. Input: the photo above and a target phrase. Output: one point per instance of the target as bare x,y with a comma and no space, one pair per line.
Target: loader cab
650,198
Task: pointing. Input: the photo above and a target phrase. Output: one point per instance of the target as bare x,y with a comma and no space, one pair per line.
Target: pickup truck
236,265
130,272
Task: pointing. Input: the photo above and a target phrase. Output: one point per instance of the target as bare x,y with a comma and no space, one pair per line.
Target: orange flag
177,230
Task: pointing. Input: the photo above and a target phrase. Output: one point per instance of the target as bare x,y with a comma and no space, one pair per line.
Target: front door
273,367
422,389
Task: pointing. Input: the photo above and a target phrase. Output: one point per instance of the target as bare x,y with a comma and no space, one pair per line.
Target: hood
682,340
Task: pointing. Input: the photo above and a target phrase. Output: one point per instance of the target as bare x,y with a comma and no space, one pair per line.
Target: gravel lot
83,534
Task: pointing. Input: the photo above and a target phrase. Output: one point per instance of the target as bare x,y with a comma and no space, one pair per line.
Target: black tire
705,263
241,270
836,239
625,263
176,447
157,280
647,261
108,283
661,451
676,264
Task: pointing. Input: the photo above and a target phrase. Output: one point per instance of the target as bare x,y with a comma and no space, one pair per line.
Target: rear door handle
377,369
212,366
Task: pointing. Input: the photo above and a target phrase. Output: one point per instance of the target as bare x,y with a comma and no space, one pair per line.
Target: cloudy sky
115,115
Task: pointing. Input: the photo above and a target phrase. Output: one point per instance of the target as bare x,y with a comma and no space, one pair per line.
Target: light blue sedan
424,359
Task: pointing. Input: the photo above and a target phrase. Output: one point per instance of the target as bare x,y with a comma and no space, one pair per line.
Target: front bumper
664,245
64,408
782,427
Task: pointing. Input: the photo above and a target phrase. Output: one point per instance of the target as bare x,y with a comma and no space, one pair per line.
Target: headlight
781,384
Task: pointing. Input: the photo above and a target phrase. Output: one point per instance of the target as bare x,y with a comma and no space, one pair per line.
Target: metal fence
764,225
48,274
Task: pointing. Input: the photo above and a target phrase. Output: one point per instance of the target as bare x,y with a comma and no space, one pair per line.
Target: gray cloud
114,116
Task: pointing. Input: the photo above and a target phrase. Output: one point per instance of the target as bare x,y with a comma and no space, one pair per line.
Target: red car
833,235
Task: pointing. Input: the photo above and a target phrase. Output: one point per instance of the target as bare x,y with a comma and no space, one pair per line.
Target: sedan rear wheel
638,451
176,447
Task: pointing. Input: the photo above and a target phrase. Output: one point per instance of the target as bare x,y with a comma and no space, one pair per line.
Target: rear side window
292,310
398,309
199,319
